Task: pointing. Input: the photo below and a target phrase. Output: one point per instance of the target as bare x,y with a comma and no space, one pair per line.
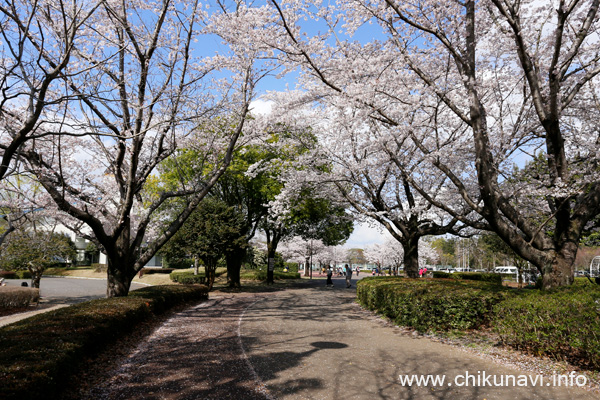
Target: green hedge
471,276
291,266
431,304
24,274
563,324
149,271
187,277
39,354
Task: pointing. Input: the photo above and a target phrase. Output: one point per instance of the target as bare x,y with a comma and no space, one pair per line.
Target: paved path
194,355
304,343
316,343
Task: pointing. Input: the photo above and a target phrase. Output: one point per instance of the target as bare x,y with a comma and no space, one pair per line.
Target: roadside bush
23,274
431,304
148,271
471,276
479,276
563,323
187,277
12,297
39,354
8,275
291,266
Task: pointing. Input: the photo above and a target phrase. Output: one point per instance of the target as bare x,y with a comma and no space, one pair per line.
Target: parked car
506,270
449,270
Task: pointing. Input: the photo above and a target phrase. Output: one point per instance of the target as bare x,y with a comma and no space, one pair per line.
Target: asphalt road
307,342
317,343
60,290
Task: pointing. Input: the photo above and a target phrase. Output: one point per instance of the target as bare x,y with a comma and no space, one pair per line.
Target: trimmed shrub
12,297
291,266
471,276
148,271
431,304
187,277
479,276
563,323
23,274
39,354
8,275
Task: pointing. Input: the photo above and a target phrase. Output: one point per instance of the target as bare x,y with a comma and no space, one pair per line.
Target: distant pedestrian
357,271
329,275
348,276
420,272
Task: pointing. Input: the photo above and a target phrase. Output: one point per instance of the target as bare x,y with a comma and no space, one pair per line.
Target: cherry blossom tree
374,253
301,250
35,251
480,95
22,202
391,253
148,95
37,40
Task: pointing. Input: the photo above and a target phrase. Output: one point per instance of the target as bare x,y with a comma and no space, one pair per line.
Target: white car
449,270
506,270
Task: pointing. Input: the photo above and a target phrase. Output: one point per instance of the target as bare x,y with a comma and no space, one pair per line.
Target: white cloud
261,107
365,235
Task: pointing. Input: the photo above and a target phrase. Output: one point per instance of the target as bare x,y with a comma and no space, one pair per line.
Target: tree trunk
306,262
234,265
119,277
559,272
209,273
120,261
272,243
411,257
36,276
196,267
270,256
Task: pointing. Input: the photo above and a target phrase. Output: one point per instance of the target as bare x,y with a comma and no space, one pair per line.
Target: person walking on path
329,275
348,276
